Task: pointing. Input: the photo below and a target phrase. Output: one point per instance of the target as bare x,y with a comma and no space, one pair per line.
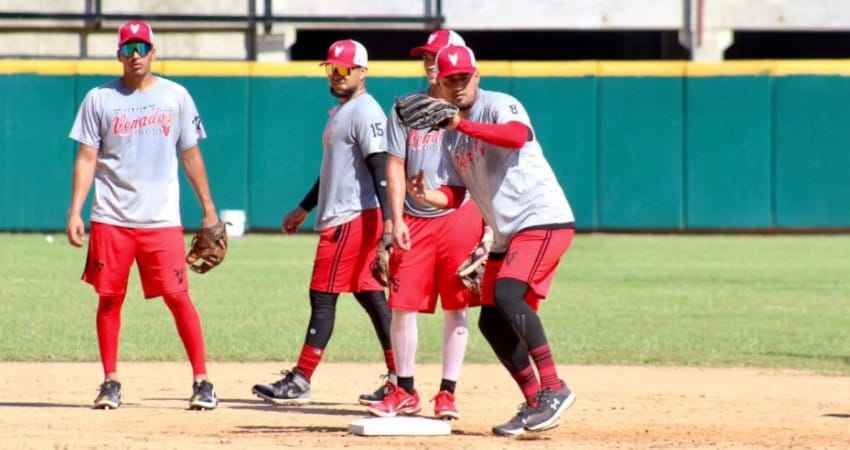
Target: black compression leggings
323,315
511,313
375,304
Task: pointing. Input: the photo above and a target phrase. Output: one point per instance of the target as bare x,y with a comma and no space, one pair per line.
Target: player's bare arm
293,219
434,197
196,173
83,176
396,190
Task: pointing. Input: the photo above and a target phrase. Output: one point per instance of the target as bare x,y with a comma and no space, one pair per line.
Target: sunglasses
142,48
341,70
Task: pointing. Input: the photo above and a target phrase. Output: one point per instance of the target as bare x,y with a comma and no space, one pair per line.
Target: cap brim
456,71
135,39
418,51
338,62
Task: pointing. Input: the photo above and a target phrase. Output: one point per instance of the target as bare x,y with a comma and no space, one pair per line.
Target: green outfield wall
755,145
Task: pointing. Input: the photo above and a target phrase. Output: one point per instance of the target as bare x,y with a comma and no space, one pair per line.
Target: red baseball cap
437,40
135,30
454,59
347,53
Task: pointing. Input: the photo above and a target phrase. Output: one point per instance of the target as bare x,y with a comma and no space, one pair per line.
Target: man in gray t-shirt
495,156
133,133
430,245
350,188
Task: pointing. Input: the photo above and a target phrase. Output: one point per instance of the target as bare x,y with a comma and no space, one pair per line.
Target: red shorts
158,252
438,246
532,257
344,254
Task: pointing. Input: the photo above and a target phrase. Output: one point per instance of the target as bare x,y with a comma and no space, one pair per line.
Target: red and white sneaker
396,402
444,406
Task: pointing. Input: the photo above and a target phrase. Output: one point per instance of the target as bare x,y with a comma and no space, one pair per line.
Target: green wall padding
812,158
667,152
640,148
728,152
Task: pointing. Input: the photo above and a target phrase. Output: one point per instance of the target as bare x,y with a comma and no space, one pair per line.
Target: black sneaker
110,395
550,405
203,395
293,389
515,426
381,392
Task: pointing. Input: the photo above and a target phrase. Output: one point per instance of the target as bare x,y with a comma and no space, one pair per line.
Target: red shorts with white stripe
438,246
344,254
532,257
159,253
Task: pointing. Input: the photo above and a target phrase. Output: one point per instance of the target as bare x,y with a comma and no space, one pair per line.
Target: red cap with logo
437,40
347,53
454,59
135,30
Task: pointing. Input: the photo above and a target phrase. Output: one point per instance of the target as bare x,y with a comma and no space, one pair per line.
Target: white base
399,426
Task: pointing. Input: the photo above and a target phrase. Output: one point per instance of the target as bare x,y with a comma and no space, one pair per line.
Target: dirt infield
46,406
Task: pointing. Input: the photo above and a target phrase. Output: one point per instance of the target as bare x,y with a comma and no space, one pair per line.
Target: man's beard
345,94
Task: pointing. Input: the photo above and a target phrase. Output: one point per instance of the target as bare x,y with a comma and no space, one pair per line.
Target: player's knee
323,304
508,292
490,323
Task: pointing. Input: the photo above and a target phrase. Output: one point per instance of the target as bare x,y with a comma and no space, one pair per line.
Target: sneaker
203,396
293,389
396,402
550,405
381,392
110,395
515,426
444,406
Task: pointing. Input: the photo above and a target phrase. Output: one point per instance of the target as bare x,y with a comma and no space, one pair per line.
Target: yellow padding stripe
414,68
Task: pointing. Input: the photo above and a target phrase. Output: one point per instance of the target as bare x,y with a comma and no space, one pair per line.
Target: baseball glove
471,271
208,248
419,111
380,267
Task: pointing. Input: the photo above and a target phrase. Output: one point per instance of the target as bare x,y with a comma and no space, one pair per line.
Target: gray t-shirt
138,135
514,189
421,150
354,131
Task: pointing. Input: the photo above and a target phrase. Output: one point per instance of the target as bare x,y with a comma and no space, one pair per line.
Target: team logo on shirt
468,152
418,140
147,120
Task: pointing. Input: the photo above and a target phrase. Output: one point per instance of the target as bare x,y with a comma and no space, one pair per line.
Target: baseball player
132,131
430,244
498,160
352,212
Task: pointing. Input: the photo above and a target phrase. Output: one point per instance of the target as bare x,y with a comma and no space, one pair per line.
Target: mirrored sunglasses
341,70
143,48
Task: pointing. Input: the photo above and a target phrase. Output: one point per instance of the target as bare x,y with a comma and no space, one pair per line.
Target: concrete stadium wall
706,26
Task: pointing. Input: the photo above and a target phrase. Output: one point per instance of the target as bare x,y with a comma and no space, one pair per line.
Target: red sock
389,357
108,320
189,328
527,382
542,357
309,360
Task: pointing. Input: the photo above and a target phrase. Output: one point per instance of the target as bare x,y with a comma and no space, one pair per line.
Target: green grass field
747,301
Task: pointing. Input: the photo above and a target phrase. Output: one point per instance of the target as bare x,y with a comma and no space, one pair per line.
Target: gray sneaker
515,426
293,389
381,392
550,405
109,396
203,396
